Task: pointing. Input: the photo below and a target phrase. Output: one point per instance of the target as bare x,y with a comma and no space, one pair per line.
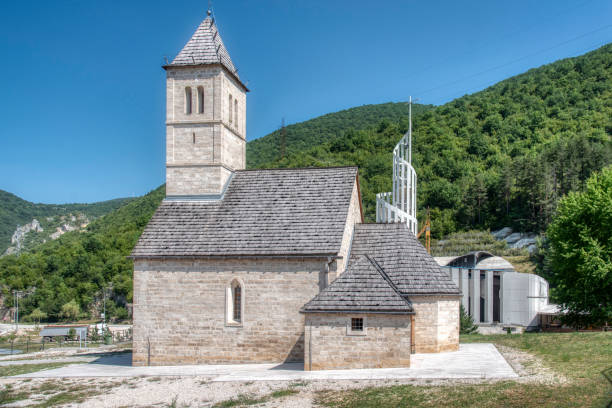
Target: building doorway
496,298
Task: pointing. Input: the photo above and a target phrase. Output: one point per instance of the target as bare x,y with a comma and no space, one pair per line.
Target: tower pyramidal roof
205,47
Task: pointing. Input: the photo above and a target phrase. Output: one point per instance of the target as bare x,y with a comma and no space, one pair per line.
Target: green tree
71,334
37,315
70,311
466,322
581,251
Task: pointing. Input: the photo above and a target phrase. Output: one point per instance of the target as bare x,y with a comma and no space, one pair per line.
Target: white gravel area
202,391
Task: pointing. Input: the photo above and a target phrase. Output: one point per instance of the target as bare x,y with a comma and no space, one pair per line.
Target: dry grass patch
580,358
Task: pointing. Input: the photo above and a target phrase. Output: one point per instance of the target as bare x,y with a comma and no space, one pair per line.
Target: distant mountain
499,157
16,212
78,264
324,129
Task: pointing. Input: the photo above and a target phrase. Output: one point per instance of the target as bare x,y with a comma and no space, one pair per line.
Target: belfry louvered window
230,109
236,112
188,100
200,99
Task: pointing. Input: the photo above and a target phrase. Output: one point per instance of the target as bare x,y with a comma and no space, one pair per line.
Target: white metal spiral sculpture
399,205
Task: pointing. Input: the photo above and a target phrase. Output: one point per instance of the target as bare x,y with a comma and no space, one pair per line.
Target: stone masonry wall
206,139
436,324
195,180
328,344
354,217
180,310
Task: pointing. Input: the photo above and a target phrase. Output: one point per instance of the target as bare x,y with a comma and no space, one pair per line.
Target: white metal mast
399,205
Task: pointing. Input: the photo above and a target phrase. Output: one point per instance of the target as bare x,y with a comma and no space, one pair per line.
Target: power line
489,83
483,45
513,61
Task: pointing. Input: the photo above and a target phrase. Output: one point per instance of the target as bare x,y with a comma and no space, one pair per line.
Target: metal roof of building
494,263
476,260
279,212
52,331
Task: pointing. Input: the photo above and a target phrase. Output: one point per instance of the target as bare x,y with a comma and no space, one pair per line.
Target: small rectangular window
357,324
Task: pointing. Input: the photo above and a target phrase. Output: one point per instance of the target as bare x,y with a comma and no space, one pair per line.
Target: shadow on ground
116,359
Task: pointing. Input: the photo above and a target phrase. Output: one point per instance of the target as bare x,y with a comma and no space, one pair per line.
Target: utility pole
410,130
16,294
104,302
283,140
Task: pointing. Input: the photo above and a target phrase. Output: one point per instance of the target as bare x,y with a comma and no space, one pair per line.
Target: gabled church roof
400,254
205,47
362,288
279,212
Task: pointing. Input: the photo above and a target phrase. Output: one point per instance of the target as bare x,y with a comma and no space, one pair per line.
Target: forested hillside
78,265
15,211
323,129
499,157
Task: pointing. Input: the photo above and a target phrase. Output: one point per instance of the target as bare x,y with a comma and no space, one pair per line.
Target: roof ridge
206,47
386,277
215,34
297,168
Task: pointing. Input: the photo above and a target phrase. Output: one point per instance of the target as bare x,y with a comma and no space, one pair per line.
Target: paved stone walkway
476,360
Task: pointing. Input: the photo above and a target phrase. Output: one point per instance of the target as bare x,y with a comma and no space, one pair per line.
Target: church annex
245,266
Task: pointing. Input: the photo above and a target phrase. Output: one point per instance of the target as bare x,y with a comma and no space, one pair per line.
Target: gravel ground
199,391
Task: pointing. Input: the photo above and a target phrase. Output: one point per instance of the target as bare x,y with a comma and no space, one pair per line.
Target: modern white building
493,293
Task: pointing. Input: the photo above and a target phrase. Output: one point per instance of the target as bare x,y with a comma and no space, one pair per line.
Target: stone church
246,266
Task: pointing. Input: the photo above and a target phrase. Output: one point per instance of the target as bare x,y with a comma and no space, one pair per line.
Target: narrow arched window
236,112
230,108
235,303
188,100
200,99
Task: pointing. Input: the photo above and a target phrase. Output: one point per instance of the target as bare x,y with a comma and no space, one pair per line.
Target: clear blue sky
82,105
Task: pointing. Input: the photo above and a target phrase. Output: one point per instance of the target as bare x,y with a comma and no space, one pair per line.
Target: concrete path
75,359
477,360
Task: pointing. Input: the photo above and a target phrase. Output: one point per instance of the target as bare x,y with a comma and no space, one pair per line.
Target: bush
467,325
70,311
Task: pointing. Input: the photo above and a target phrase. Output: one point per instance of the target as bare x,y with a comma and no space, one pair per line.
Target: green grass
10,370
283,393
246,399
241,401
9,395
580,357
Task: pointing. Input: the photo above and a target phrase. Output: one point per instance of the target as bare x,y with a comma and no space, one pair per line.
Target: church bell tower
205,117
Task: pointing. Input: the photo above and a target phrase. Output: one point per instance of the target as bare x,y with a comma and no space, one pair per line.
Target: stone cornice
187,123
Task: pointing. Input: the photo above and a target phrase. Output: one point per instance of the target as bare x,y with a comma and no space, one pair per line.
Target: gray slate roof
205,47
363,287
264,212
400,254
